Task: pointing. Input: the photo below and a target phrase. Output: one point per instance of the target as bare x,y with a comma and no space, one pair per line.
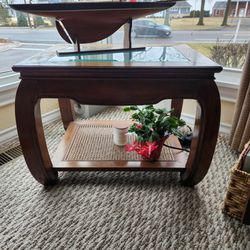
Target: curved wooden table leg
176,104
66,110
204,135
31,134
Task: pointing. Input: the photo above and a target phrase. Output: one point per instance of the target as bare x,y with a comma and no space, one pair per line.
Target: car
149,28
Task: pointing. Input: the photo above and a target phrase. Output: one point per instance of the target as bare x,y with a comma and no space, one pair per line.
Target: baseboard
225,128
9,134
51,116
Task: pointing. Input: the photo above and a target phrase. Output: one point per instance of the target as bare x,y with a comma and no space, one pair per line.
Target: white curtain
240,133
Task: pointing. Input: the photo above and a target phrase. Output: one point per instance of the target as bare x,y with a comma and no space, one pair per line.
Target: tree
167,18
201,22
4,14
28,16
226,14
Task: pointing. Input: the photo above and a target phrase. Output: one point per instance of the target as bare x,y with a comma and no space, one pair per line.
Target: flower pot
154,154
149,151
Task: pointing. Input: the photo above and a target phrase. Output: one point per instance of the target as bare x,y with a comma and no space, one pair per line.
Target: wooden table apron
118,86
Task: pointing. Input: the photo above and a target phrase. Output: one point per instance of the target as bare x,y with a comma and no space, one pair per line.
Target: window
160,29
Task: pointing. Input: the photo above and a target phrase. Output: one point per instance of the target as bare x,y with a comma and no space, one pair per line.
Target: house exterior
180,9
237,8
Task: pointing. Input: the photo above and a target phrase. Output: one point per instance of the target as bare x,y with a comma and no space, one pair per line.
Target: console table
144,77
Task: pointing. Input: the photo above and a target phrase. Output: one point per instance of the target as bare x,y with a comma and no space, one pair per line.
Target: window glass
223,40
23,35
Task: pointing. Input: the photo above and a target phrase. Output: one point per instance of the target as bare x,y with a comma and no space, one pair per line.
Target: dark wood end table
147,77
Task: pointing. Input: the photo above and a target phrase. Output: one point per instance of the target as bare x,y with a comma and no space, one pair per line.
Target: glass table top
151,54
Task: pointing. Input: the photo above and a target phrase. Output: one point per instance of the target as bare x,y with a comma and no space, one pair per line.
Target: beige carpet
117,210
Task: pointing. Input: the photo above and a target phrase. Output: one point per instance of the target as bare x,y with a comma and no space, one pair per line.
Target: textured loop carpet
117,210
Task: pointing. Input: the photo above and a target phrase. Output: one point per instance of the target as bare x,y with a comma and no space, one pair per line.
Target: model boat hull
90,22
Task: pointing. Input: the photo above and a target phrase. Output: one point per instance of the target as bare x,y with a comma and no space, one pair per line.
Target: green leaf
182,122
159,111
133,108
156,122
149,107
140,139
155,136
126,109
135,116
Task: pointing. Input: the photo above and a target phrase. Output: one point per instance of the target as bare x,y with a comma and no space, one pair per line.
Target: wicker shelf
88,145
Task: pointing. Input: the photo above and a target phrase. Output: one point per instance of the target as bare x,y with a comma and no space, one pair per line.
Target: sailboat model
86,22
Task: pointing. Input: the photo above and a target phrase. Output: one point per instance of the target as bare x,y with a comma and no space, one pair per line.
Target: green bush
197,13
22,20
38,21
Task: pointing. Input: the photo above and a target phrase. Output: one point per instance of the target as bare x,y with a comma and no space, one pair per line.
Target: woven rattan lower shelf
88,145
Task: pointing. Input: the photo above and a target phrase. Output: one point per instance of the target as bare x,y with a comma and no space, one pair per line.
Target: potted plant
152,127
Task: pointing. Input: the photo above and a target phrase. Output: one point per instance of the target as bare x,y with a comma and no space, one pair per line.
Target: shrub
4,15
38,21
22,20
51,21
229,54
197,13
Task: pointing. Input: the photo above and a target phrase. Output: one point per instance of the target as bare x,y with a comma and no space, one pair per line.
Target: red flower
151,146
144,152
130,147
139,126
143,149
